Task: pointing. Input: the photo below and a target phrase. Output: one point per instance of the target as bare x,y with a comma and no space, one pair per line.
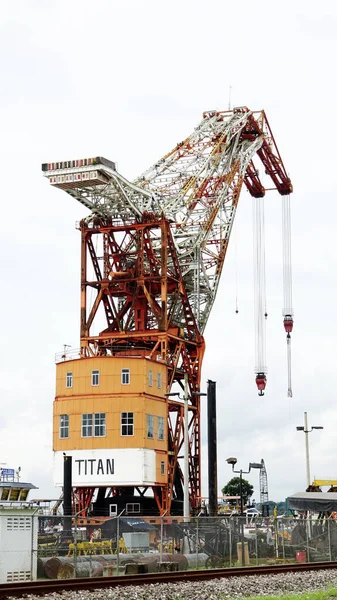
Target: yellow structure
110,409
324,482
84,548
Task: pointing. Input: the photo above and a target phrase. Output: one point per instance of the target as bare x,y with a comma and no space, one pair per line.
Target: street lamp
232,461
306,433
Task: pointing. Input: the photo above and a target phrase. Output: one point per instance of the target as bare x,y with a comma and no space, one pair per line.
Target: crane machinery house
152,252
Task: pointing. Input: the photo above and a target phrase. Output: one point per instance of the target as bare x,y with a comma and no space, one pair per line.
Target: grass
328,594
322,595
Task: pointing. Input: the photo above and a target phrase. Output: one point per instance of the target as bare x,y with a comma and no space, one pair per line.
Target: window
69,380
162,468
87,425
127,423
125,377
160,428
93,425
99,424
150,426
132,508
64,426
150,377
159,380
112,510
94,377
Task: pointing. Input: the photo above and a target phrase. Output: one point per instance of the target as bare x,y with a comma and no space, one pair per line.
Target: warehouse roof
315,501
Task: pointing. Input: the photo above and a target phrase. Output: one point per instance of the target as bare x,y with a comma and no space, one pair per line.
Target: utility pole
307,458
306,431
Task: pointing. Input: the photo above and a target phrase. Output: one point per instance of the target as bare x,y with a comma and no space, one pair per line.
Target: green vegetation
322,595
281,507
232,488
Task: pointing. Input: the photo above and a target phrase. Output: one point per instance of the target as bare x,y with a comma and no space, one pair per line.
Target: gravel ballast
215,589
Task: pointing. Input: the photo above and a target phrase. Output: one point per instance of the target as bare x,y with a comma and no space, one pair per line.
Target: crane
264,490
157,246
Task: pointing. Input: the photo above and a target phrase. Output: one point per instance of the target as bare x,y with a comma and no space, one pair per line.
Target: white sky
128,80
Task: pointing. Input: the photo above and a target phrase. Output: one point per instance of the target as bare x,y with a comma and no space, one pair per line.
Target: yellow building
110,415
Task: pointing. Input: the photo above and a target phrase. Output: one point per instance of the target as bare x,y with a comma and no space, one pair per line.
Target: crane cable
287,283
259,293
236,267
290,391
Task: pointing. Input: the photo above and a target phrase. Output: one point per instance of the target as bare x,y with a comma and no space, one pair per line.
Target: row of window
94,425
73,177
125,378
67,164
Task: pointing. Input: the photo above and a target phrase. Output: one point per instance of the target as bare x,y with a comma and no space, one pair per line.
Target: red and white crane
159,249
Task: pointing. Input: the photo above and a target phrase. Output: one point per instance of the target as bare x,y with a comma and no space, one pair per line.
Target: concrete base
136,568
165,567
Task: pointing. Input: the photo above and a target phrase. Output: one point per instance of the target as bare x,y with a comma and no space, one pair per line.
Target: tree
232,488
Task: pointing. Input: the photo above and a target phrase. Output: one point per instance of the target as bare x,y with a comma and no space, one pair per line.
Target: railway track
44,587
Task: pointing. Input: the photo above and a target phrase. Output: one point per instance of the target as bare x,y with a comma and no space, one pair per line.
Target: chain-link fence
61,547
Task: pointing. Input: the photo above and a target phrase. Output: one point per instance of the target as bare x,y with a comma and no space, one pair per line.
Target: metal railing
64,549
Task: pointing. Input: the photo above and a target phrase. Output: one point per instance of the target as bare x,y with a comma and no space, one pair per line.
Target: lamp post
232,461
306,433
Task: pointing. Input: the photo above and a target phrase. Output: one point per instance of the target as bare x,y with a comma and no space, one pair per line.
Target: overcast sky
128,80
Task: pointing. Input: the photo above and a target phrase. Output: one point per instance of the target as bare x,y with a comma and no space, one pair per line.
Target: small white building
18,530
18,544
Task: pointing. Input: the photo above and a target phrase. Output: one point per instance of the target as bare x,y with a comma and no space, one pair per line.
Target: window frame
149,426
150,378
63,427
127,424
113,513
161,420
91,423
162,467
159,380
99,424
95,373
69,377
125,372
86,435
133,511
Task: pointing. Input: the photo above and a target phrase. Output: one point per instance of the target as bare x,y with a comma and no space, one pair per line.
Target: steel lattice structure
264,498
157,247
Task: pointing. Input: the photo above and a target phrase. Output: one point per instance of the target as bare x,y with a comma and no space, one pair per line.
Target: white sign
122,466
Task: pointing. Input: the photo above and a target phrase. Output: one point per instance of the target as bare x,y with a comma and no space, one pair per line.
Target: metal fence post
256,544
242,529
117,536
34,547
283,540
75,546
329,540
307,529
276,536
230,543
197,540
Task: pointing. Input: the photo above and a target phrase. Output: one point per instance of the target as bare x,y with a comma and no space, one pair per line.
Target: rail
43,587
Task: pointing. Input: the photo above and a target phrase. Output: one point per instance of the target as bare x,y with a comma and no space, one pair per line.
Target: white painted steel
259,285
18,544
287,267
200,225
121,466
